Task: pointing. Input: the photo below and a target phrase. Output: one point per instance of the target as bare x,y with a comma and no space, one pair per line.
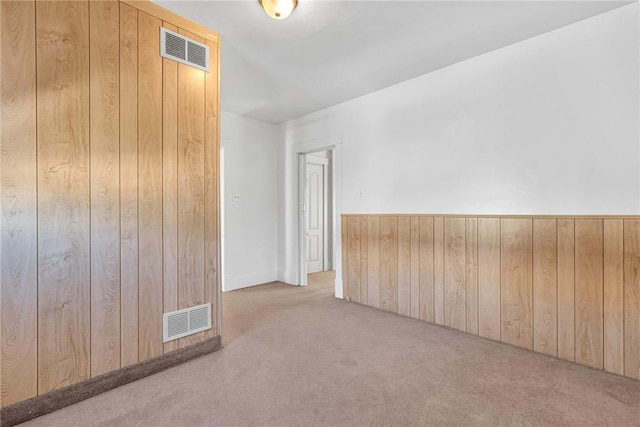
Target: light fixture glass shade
278,9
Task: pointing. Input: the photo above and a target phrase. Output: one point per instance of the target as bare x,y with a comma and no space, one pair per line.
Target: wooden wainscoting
568,287
109,189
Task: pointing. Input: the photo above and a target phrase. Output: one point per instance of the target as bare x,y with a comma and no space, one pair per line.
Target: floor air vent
184,50
188,321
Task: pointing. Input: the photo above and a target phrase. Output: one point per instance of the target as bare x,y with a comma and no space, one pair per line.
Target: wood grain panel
516,282
545,289
357,279
373,264
150,187
170,186
191,119
489,278
62,35
438,270
89,166
426,269
614,296
566,289
415,267
389,263
211,205
104,52
354,258
455,301
404,266
18,271
344,239
471,278
632,298
589,292
128,185
364,289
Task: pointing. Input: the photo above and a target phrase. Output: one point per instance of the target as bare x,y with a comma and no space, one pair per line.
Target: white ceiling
328,51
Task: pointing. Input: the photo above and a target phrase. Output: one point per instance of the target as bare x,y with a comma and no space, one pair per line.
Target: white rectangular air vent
188,321
184,50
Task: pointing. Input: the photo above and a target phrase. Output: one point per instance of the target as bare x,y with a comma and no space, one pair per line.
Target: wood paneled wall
109,189
565,287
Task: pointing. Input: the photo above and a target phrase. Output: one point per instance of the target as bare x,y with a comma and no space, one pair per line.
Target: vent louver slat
198,318
175,46
178,324
184,50
197,54
188,321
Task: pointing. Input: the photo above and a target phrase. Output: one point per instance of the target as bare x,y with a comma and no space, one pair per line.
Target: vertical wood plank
170,186
589,292
614,296
373,261
212,179
18,222
632,298
364,289
191,123
426,269
354,278
344,239
128,185
489,278
62,34
415,267
516,282
104,51
455,297
438,270
150,187
471,278
566,289
389,263
404,265
545,289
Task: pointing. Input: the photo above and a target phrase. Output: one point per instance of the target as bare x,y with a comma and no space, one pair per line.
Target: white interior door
316,170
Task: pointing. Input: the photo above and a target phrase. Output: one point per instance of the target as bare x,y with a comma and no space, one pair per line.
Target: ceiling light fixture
278,9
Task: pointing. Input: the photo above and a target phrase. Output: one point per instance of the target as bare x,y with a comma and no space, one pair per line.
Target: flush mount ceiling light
278,9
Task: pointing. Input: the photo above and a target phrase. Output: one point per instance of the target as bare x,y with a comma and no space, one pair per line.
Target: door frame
333,144
325,162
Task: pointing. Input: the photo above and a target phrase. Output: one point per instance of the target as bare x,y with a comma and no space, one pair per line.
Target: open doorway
332,144
318,224
317,216
317,212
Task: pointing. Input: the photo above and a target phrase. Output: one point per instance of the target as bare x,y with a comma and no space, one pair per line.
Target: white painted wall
549,125
251,224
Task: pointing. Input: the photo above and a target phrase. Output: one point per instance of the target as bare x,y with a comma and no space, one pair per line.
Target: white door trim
302,220
333,143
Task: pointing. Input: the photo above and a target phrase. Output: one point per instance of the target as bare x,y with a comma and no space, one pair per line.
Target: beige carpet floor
298,356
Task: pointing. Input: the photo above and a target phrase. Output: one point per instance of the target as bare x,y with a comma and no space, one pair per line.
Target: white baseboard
247,280
289,277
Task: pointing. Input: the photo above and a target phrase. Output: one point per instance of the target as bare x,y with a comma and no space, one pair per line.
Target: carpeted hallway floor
298,356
